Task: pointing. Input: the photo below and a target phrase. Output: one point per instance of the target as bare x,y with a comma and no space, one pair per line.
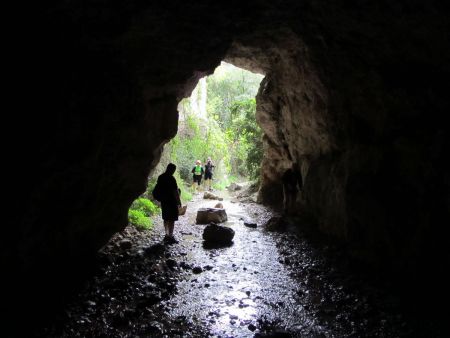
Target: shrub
186,195
139,220
144,205
139,214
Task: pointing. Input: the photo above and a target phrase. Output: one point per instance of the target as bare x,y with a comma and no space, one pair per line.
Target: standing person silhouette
208,173
197,173
170,201
292,183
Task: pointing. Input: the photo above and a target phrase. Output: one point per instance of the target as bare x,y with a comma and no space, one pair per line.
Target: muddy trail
267,284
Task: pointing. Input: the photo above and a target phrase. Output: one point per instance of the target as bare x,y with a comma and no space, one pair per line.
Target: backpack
157,192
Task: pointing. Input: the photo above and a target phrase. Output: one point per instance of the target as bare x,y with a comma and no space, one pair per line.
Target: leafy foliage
247,136
140,213
145,206
228,134
185,196
139,220
227,85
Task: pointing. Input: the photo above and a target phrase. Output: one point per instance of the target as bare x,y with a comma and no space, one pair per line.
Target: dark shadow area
212,245
376,290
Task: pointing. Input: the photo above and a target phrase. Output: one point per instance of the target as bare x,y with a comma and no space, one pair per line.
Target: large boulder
217,234
208,215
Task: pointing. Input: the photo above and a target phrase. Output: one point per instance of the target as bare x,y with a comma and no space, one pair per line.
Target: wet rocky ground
267,284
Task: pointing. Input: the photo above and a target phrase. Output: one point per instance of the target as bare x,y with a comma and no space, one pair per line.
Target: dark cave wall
352,93
356,92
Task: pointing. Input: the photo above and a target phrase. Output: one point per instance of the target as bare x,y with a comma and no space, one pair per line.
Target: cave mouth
218,121
338,86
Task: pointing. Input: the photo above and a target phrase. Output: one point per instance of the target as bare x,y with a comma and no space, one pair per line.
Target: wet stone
251,224
185,266
211,196
217,234
197,270
125,244
171,263
209,215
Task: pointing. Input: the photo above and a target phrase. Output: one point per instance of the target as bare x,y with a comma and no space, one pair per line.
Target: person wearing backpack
197,173
166,191
209,166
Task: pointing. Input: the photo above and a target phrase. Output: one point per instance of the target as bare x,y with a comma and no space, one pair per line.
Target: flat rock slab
211,215
211,196
218,234
248,222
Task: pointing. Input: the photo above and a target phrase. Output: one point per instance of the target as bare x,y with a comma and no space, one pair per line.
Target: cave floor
265,284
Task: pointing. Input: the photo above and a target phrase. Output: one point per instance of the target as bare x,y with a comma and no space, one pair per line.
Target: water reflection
246,285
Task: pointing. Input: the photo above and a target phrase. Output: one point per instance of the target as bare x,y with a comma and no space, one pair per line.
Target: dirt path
265,283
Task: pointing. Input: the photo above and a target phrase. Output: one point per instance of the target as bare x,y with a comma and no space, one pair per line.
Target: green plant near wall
138,219
140,212
186,195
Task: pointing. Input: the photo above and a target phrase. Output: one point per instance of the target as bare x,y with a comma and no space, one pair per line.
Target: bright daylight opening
216,122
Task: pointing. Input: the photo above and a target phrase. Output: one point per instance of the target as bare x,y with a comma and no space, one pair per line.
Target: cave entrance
218,122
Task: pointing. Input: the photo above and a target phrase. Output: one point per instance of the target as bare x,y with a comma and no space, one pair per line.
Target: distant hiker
167,192
208,173
292,183
197,173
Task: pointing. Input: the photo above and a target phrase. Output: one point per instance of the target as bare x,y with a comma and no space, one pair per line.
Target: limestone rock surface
208,215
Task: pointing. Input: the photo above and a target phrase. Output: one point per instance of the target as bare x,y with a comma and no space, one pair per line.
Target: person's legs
291,206
285,200
207,183
167,227
294,202
171,225
199,181
196,184
169,238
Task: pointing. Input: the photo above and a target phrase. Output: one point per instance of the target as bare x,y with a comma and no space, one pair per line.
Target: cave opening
355,92
217,122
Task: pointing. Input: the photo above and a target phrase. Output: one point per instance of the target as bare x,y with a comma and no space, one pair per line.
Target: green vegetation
186,195
140,213
217,121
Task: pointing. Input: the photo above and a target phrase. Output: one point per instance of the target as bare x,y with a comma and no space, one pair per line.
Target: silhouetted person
208,173
292,183
170,201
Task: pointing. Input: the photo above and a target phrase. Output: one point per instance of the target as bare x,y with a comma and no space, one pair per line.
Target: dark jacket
169,189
